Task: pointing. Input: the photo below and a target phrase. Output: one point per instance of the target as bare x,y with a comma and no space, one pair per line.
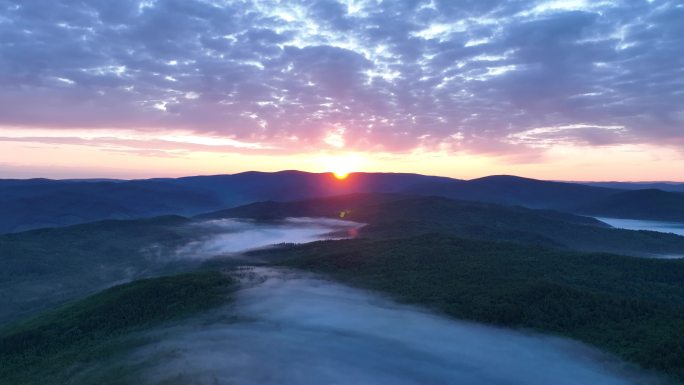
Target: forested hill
35,203
94,329
44,267
596,200
629,306
397,215
514,190
645,204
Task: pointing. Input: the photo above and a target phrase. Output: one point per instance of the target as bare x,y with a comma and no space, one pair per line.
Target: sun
341,166
340,174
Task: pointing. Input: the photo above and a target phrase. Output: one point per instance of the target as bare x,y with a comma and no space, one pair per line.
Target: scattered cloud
474,76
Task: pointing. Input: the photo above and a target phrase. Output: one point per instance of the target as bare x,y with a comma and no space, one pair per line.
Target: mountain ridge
36,203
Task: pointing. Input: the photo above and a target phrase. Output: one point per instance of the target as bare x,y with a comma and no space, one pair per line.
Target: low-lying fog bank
637,224
47,277
233,236
288,327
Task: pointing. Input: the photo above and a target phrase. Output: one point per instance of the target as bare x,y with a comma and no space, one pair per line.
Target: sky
553,89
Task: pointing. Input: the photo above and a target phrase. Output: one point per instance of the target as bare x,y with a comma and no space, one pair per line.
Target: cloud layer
283,76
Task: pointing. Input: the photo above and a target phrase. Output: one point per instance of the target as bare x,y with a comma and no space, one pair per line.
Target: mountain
569,197
643,204
513,190
253,186
397,215
665,186
36,203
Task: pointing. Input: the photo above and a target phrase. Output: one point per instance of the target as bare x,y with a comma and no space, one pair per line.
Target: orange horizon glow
570,163
344,91
341,165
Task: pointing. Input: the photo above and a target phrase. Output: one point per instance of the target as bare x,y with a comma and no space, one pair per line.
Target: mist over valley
365,288
341,192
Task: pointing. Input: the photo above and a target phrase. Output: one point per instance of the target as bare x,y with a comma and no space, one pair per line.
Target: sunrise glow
341,175
253,155
341,165
347,90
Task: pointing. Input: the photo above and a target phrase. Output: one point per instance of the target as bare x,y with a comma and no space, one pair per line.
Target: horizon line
109,179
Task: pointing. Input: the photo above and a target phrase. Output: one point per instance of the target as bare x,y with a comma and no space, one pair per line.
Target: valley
493,288
291,327
341,192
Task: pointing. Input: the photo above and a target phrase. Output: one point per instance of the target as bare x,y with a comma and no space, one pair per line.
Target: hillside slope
643,204
37,203
629,306
513,190
26,205
91,331
41,268
569,197
396,215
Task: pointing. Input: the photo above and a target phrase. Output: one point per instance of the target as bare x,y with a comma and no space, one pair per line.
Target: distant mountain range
36,203
665,186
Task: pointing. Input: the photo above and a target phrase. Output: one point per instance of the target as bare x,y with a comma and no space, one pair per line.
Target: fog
288,327
662,227
636,224
233,236
41,288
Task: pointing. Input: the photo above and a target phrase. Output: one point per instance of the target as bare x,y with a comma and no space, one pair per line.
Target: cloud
473,76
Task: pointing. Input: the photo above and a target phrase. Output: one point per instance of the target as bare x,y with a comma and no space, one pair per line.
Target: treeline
45,347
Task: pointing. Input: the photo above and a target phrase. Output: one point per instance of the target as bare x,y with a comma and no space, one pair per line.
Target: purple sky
514,80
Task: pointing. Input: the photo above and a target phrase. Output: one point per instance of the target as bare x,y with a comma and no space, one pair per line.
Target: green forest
629,306
93,330
535,270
